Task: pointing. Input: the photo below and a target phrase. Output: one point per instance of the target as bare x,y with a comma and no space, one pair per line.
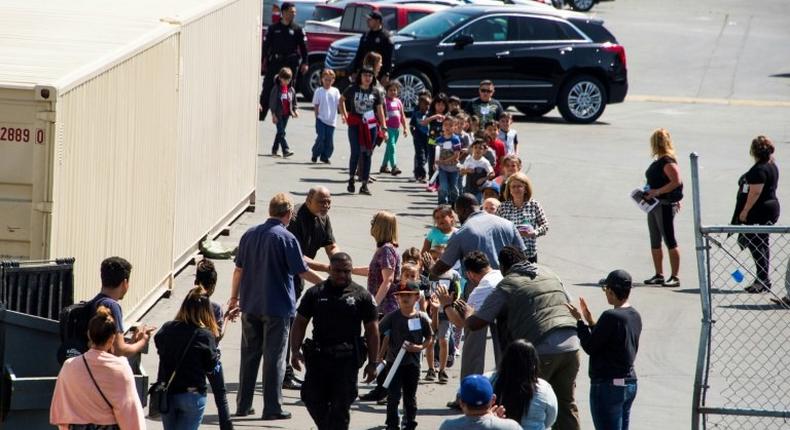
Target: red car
320,35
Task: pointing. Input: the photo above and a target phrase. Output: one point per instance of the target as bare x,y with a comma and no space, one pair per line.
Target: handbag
157,394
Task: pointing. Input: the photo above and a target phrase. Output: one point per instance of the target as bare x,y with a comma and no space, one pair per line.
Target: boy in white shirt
507,134
325,102
477,169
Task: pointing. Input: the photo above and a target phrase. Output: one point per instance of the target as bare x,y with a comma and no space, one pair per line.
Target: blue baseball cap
490,185
476,390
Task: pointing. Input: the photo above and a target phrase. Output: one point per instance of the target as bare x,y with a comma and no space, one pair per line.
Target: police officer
332,358
284,46
377,39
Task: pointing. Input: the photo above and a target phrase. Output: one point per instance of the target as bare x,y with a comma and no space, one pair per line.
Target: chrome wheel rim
410,89
583,4
315,80
585,100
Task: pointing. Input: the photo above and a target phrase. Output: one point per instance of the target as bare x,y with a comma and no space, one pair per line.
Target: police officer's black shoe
279,416
250,411
291,384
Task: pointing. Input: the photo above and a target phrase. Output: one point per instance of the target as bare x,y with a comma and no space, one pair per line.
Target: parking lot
715,73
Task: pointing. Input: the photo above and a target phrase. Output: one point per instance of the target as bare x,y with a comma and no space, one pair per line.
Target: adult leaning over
480,231
525,212
530,303
485,106
362,108
268,259
757,204
664,184
97,387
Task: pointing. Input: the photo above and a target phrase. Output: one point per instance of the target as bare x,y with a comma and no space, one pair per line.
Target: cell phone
445,283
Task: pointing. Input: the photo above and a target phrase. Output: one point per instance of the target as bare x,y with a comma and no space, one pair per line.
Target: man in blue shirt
269,258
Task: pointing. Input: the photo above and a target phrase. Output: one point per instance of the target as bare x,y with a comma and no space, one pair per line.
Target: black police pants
329,389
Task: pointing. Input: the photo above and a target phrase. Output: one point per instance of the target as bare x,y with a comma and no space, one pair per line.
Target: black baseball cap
287,5
374,14
410,288
618,279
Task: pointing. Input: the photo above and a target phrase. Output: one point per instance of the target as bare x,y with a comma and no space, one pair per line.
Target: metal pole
704,290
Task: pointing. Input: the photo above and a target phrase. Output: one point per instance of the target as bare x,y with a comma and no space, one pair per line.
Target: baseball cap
410,288
374,14
618,279
287,5
490,185
476,390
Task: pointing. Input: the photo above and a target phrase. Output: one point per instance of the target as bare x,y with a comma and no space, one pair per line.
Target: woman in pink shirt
109,403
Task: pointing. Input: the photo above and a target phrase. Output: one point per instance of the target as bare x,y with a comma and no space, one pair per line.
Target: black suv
537,59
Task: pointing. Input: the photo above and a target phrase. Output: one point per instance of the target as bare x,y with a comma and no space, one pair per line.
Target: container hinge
48,116
45,207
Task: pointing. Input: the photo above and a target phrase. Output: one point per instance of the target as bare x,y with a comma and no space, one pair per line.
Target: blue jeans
186,411
324,140
610,405
448,187
279,138
420,154
217,381
359,154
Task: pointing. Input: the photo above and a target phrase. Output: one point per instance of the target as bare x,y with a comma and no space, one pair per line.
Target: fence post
704,292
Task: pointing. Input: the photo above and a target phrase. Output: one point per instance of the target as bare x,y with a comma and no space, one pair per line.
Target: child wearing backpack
206,277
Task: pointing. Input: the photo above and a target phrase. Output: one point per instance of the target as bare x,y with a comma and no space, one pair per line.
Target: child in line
477,169
282,104
410,329
492,133
393,108
325,102
443,227
491,205
435,127
206,277
507,134
491,190
419,133
511,164
449,147
454,105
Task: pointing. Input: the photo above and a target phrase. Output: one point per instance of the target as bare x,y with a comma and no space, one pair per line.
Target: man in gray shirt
477,401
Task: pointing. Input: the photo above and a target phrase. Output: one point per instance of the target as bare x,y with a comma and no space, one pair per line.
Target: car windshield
433,25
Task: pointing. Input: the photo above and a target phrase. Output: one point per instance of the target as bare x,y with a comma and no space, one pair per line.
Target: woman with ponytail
96,390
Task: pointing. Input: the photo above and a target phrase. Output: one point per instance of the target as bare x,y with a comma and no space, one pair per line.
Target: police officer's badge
378,40
291,32
350,301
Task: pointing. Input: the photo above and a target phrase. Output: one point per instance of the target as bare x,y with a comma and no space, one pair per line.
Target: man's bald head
319,200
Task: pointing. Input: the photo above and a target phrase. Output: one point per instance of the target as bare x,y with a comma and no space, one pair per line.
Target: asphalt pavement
715,73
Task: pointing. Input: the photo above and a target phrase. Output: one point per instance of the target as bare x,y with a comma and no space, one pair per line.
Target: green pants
389,152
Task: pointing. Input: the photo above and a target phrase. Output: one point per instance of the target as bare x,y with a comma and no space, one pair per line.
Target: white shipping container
125,129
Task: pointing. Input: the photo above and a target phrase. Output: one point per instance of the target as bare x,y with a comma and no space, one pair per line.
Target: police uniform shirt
337,314
375,41
313,232
285,41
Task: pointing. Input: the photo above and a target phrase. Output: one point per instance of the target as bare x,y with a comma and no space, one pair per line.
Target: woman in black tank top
664,184
756,204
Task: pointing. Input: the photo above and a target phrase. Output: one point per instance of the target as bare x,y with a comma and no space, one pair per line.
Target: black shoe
382,401
279,416
226,426
655,280
757,287
454,405
384,169
672,281
784,301
351,188
326,161
314,159
374,395
364,190
274,154
291,384
250,411
396,171
287,154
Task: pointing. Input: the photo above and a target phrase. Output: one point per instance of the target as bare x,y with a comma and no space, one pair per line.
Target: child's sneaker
430,375
396,171
443,377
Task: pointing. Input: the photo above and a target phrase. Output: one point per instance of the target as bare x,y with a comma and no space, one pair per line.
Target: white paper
395,365
637,196
414,324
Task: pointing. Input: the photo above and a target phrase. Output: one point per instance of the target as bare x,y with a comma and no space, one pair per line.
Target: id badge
745,188
618,382
415,325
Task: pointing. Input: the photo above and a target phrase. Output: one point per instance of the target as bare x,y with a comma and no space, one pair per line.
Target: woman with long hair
665,185
527,399
757,204
525,212
97,388
187,349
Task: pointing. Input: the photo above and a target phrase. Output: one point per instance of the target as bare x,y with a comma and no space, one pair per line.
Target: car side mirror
463,40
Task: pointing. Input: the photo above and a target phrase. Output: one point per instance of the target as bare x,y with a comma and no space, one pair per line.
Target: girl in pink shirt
396,120
78,400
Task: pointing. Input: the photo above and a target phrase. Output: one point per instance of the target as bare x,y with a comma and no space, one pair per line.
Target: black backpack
74,330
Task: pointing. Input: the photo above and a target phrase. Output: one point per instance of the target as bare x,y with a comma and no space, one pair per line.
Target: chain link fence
743,368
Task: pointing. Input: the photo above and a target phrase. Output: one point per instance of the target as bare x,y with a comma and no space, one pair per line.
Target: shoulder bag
157,395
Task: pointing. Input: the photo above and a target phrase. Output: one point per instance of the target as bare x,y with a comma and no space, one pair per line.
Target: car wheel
582,99
581,5
534,111
412,82
312,80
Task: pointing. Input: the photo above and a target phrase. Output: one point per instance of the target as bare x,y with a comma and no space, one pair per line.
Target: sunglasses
486,90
